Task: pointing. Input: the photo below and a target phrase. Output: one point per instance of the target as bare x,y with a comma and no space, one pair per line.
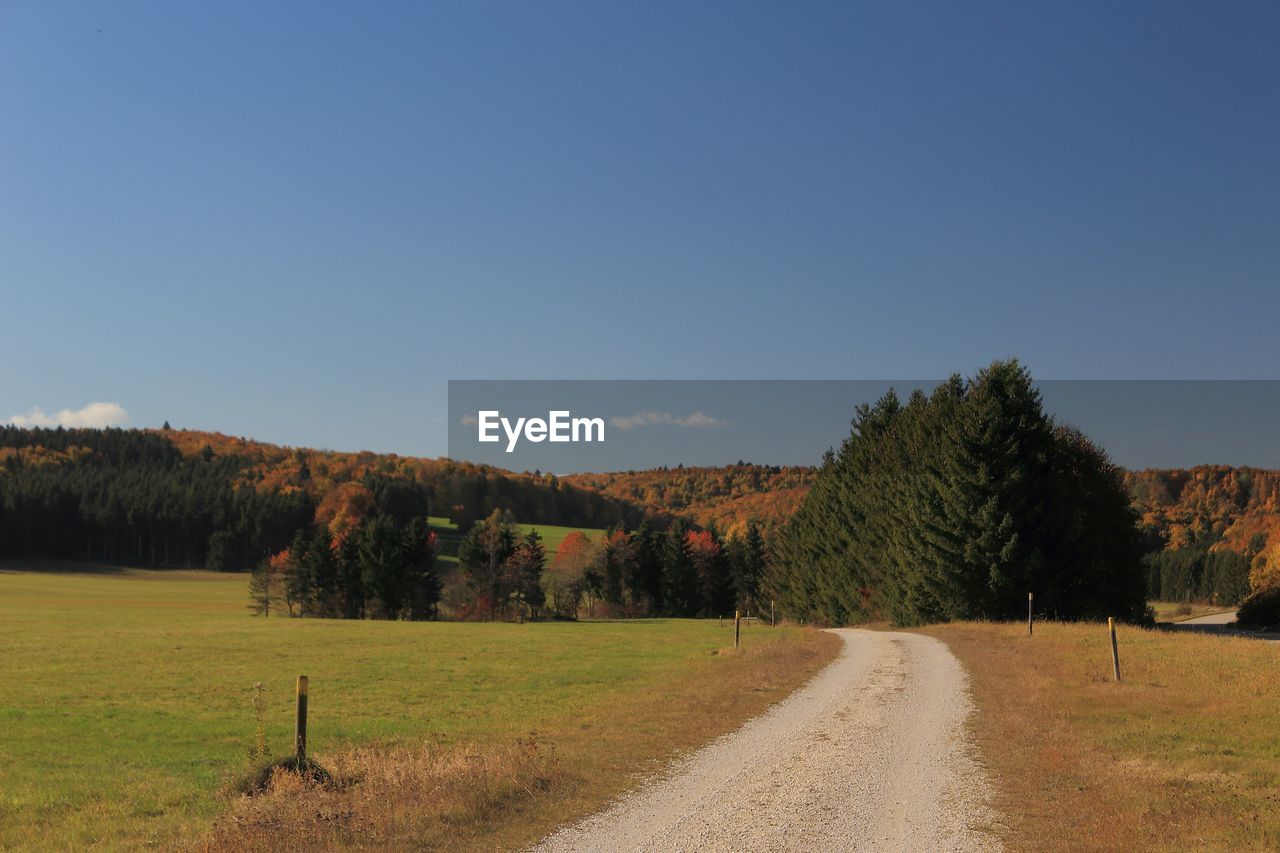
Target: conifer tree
679,577
424,582
956,505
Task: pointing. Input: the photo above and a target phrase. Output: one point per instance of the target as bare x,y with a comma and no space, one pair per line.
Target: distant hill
726,497
157,497
1227,508
190,498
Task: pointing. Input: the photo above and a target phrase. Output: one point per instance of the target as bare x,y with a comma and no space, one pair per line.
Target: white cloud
695,419
94,416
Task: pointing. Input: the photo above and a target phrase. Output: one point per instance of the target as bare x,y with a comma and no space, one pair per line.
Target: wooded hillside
187,498
726,498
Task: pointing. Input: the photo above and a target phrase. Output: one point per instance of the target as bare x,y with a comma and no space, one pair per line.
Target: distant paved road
1223,625
870,755
1212,619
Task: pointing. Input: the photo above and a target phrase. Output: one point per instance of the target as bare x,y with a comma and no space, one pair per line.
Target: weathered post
1030,598
300,723
737,628
1115,651
773,623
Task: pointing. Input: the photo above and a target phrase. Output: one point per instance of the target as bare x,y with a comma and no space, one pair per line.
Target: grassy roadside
1183,754
510,790
125,698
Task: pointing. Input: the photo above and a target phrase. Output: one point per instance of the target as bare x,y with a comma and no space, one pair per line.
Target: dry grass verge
506,795
1183,754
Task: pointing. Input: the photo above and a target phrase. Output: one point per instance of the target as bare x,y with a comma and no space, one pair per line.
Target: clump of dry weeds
382,796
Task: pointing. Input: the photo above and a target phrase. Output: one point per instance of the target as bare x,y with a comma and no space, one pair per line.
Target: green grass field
126,697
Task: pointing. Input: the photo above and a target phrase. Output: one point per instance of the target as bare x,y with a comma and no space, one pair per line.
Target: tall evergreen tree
747,559
351,574
424,582
384,567
679,575
525,566
954,507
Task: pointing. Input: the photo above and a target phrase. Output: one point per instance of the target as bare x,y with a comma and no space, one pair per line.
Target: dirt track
870,755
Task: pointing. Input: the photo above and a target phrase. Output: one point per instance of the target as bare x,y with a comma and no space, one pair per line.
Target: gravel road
870,755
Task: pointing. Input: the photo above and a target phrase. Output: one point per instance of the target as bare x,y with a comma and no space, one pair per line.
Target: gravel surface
870,755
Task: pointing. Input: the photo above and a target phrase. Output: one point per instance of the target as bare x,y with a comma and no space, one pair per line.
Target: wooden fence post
1115,651
1030,598
737,628
773,623
300,723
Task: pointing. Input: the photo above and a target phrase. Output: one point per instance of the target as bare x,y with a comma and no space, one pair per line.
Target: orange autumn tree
568,578
344,509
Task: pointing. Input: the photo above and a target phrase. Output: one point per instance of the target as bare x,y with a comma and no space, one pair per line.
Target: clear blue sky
297,221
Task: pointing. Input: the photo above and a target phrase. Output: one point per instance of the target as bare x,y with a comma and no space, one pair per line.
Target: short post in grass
1030,598
737,628
300,723
773,623
1115,650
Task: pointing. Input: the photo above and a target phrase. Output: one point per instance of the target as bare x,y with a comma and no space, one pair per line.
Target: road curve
1227,617
869,755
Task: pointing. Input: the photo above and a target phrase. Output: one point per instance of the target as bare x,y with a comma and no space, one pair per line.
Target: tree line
955,505
378,568
1196,572
682,571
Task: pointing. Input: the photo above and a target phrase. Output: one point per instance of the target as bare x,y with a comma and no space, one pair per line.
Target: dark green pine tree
715,577
351,575
299,590
424,581
384,567
322,569
679,576
747,558
647,551
525,566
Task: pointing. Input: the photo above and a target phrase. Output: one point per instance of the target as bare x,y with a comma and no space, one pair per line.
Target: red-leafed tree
715,586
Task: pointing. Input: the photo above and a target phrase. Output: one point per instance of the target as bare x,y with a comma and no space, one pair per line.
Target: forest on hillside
1211,531
726,498
186,498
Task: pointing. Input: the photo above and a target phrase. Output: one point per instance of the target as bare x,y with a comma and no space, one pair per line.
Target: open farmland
126,700
1181,754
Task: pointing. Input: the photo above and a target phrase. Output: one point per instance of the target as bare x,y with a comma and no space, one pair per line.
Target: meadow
126,704
448,537
1181,754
